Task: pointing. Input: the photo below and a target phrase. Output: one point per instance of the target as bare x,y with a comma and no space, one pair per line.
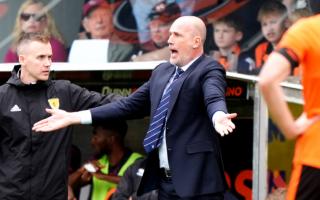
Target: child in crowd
227,35
273,17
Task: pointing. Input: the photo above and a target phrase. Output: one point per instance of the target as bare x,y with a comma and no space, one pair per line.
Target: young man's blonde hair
29,37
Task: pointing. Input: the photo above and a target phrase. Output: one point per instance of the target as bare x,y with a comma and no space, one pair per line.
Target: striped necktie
154,135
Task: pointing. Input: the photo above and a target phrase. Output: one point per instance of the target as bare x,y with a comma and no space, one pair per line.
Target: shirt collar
185,67
19,73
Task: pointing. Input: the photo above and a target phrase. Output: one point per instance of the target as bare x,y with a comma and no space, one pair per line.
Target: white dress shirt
163,154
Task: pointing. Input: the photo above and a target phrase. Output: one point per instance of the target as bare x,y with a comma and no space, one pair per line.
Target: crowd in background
99,41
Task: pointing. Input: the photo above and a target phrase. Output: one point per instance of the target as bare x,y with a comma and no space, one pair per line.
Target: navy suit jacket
192,143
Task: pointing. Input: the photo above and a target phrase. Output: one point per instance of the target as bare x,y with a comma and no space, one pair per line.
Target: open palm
58,119
223,123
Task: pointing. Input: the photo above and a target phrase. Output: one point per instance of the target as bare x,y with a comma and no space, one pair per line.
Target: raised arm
274,96
214,85
58,119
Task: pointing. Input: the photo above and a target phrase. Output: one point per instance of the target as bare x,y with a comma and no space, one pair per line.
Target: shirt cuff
85,117
214,116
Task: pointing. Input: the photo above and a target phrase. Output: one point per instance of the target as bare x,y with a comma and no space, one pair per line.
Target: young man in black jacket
35,165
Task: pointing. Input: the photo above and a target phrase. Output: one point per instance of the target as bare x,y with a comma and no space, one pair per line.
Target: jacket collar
16,81
179,82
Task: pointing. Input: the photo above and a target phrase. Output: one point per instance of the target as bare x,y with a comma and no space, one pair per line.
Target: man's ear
196,42
85,24
21,59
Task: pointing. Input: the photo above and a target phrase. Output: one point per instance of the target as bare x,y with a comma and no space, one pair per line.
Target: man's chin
45,78
173,61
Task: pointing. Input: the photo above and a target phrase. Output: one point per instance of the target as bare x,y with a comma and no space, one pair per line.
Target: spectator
141,10
129,183
161,18
227,35
33,17
98,25
273,19
97,20
111,159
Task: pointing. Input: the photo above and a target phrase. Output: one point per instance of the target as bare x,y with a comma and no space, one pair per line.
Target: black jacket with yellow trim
34,165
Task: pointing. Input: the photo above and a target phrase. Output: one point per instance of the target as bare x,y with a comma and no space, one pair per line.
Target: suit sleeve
82,99
137,105
214,87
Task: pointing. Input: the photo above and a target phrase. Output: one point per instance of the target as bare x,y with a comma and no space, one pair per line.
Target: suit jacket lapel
179,82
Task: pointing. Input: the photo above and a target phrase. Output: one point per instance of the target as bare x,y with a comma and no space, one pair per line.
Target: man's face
35,59
101,141
272,27
159,32
181,41
31,24
225,36
99,23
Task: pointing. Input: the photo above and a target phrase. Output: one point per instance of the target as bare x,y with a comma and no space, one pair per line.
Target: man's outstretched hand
223,123
58,119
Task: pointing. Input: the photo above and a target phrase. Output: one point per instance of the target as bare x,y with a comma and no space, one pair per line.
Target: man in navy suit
188,164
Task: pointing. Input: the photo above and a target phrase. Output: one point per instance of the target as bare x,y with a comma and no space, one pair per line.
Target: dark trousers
167,192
